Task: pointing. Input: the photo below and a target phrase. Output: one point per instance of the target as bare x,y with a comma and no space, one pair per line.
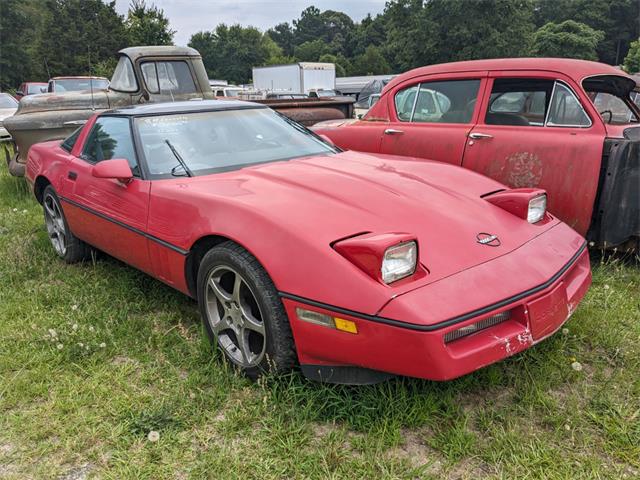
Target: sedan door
431,117
534,131
106,213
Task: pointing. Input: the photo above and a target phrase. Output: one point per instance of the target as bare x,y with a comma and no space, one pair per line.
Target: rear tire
242,312
65,244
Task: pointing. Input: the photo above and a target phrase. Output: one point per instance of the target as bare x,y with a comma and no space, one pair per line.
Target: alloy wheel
235,317
54,222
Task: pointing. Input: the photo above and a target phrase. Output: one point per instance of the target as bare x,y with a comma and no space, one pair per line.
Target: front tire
65,244
243,313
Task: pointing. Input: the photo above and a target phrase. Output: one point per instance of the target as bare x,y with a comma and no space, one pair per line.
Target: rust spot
524,169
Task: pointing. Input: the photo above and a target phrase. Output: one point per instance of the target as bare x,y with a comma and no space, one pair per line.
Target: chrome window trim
547,123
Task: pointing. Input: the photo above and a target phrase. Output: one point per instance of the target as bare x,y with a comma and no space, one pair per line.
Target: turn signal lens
345,325
399,261
537,209
327,320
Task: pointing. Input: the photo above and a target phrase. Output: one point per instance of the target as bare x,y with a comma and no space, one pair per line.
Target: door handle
393,131
72,175
479,136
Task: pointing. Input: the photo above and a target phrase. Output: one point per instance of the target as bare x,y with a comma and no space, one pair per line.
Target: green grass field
95,356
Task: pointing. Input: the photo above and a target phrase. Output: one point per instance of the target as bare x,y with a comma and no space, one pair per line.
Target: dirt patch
77,473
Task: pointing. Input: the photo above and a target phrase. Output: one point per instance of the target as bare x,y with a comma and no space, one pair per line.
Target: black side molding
344,375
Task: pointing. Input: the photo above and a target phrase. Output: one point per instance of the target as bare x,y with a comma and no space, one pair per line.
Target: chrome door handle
479,136
392,131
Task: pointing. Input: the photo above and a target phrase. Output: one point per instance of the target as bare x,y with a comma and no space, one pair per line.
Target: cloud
190,16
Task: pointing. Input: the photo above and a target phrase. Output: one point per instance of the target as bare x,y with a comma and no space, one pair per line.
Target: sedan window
451,101
111,138
519,101
565,109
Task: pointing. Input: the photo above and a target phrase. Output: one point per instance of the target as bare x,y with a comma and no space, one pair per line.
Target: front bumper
385,344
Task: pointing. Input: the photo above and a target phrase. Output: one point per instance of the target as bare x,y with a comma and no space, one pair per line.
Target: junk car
567,126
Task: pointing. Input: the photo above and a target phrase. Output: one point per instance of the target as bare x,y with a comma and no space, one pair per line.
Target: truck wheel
242,312
65,244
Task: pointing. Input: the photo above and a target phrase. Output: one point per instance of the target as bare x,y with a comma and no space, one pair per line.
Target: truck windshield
211,142
79,84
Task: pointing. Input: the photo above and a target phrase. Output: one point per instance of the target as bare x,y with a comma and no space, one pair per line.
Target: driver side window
111,138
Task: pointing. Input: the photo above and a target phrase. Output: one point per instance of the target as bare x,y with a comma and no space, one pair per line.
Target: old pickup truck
143,74
566,126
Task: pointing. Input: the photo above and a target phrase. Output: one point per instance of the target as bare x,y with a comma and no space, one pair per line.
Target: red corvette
356,266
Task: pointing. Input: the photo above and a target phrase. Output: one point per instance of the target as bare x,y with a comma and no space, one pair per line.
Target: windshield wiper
179,158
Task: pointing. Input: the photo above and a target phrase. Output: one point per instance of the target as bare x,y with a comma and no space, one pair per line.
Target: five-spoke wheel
235,317
242,311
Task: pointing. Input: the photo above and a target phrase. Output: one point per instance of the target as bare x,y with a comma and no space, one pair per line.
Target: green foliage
568,39
632,60
18,31
310,51
617,19
80,33
371,62
230,52
147,25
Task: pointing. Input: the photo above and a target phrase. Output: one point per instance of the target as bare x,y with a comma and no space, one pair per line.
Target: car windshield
36,88
233,92
80,84
7,101
326,93
210,142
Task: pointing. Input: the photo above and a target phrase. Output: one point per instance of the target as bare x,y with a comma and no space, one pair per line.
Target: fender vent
476,327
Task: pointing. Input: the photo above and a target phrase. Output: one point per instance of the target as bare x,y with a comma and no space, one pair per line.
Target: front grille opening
476,327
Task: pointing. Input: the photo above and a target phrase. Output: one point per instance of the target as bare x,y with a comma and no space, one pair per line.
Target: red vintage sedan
355,266
566,126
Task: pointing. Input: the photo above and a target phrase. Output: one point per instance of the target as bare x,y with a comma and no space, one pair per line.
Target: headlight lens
537,208
399,261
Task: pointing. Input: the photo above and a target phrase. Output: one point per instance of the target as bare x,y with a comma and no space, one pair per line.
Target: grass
95,356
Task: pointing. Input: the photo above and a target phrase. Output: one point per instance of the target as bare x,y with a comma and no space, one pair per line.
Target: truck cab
143,74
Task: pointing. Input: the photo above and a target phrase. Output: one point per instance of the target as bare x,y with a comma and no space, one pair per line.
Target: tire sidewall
220,256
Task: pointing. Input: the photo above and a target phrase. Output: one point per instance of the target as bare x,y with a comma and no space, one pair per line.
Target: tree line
39,38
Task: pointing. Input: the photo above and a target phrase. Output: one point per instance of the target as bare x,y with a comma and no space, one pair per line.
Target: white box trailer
295,78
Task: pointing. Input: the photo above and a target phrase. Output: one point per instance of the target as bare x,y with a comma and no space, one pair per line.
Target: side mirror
117,168
327,139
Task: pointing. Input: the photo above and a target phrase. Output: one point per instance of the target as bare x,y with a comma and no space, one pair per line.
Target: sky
190,16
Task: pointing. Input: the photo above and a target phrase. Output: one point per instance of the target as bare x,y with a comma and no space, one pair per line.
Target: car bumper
437,351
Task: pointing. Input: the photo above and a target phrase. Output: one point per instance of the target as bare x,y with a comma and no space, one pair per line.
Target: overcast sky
190,16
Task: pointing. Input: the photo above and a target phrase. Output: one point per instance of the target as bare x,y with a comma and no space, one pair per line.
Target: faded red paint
565,161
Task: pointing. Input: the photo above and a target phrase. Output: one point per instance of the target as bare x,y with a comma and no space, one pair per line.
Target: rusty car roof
158,51
576,69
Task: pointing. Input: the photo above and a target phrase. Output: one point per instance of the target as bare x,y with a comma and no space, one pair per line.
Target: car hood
324,199
45,102
6,112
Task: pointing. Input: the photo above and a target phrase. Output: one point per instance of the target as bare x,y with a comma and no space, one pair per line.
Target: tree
328,58
78,33
16,32
310,51
229,52
147,25
568,39
309,26
617,19
371,62
282,34
632,60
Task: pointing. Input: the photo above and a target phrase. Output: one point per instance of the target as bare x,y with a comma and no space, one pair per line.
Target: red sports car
356,266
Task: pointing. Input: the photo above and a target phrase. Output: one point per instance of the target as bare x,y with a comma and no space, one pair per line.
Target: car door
107,213
534,131
169,80
430,117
